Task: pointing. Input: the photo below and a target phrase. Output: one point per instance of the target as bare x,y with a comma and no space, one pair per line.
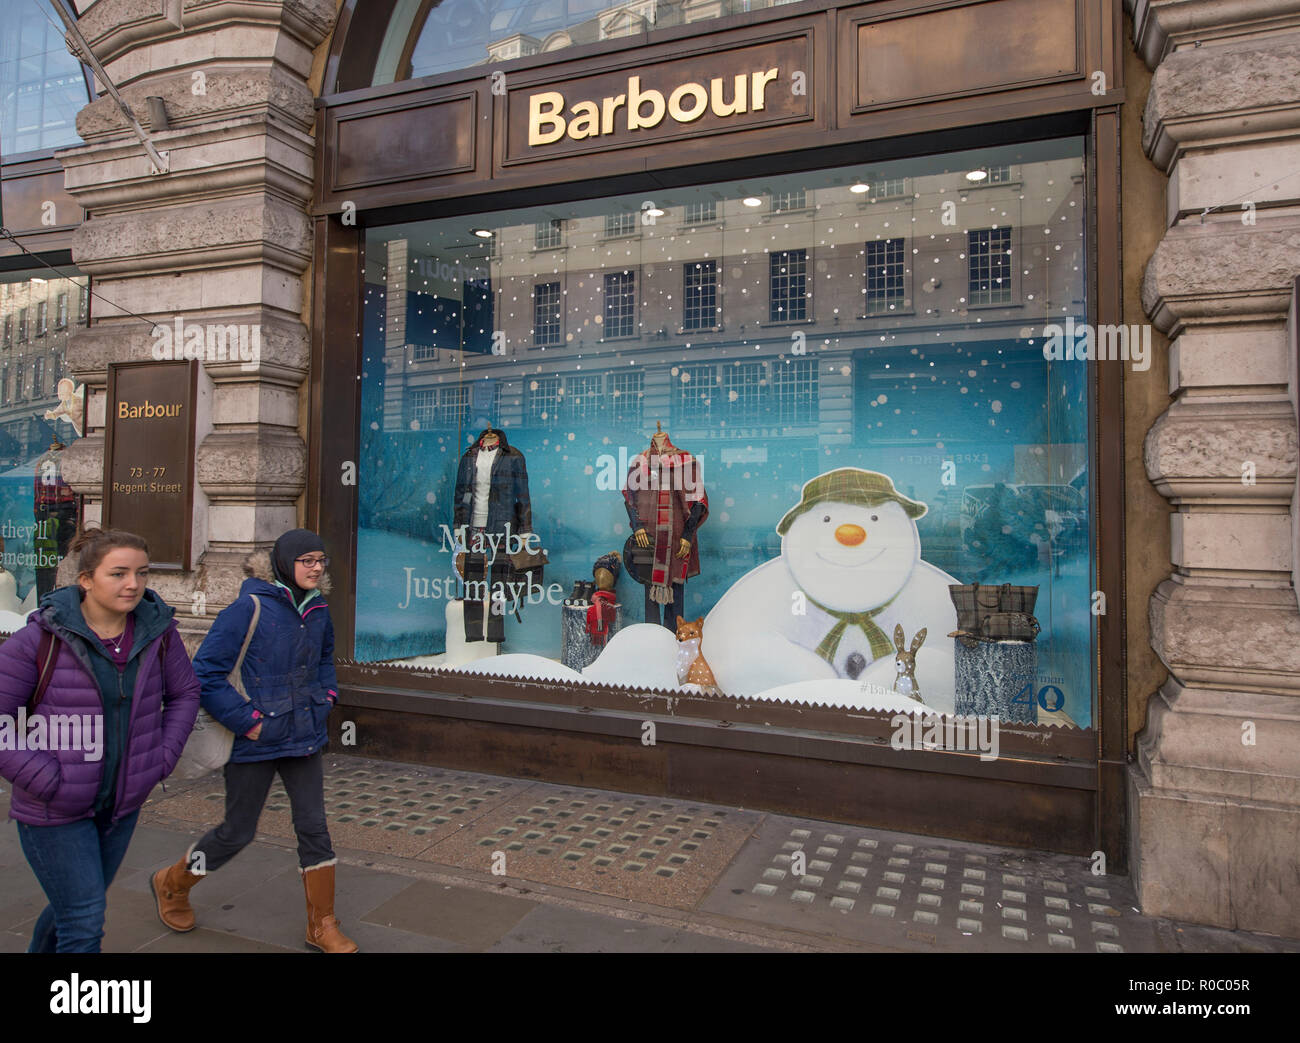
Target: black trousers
246,788
670,611
496,576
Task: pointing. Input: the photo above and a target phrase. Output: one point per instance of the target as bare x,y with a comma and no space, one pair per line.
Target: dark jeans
75,864
246,788
670,611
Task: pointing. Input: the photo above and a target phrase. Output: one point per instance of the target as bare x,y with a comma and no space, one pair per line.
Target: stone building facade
1215,785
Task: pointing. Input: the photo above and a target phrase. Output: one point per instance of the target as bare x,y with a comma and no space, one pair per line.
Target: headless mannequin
480,621
661,444
658,441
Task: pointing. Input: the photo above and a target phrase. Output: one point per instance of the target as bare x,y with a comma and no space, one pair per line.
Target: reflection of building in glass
809,318
456,34
41,85
36,316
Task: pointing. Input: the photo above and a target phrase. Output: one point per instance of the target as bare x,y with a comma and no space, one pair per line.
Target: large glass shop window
781,438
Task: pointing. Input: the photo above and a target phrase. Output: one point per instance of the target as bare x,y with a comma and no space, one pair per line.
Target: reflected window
884,275
700,295
788,282
620,304
794,199
989,254
617,225
889,188
625,393
544,396
425,39
546,235
693,393
546,314
700,213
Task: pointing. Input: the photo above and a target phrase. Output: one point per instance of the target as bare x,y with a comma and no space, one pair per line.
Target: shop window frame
1108,727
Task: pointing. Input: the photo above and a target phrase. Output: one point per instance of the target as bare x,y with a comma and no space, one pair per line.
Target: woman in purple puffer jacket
119,703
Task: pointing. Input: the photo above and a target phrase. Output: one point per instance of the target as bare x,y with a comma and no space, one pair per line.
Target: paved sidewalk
589,870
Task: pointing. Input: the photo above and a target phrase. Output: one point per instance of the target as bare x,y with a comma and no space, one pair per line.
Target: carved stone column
1215,789
221,239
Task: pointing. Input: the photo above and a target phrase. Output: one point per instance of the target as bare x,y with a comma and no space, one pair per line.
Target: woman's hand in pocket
256,731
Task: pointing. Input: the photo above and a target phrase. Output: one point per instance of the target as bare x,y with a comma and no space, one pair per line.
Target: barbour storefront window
809,423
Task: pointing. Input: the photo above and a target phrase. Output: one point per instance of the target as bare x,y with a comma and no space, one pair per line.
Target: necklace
116,639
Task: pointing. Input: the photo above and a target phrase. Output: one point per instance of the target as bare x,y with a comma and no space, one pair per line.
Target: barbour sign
736,89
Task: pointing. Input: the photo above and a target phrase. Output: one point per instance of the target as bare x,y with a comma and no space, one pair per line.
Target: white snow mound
523,665
849,695
643,655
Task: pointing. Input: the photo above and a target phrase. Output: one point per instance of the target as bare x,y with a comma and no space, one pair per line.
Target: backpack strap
236,677
46,653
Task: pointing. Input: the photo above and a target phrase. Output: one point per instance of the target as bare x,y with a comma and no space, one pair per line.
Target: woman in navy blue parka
288,673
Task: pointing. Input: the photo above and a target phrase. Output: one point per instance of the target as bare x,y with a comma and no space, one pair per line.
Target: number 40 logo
1025,697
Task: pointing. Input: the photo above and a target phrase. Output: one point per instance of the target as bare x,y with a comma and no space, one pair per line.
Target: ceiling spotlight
977,175
653,211
752,201
483,233
859,188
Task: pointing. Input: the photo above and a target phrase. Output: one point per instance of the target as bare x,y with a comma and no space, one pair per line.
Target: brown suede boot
322,928
171,889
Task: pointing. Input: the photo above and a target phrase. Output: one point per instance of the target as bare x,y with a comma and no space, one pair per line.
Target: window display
875,492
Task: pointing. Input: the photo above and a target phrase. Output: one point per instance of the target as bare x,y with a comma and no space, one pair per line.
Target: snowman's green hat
850,485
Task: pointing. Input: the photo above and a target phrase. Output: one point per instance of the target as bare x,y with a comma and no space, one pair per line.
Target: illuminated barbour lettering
643,108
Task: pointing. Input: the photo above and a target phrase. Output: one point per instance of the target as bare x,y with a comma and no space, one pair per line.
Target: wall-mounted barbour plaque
149,456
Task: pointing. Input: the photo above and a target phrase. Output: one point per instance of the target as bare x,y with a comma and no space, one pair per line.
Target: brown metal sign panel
965,50
36,206
432,139
149,456
715,91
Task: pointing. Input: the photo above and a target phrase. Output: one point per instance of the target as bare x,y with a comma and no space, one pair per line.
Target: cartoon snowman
850,570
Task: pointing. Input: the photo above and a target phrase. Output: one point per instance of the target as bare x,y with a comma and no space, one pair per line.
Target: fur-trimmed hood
258,566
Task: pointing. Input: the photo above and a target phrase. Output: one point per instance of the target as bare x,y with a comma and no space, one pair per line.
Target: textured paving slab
394,809
646,849
915,892
643,849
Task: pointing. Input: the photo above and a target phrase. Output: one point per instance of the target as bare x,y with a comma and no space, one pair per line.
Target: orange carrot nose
850,535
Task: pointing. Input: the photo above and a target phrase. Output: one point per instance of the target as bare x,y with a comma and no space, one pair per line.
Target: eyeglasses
311,563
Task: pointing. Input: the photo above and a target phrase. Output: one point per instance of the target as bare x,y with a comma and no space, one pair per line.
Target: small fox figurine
692,668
